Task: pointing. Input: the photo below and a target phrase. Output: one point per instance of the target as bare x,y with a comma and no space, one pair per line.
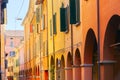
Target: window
10,69
39,1
12,53
43,23
74,11
63,22
54,24
43,48
5,1
6,64
41,11
31,28
50,27
11,44
38,28
77,11
37,15
17,62
2,16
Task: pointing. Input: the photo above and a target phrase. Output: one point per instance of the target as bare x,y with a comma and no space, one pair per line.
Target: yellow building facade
56,40
16,66
43,51
72,40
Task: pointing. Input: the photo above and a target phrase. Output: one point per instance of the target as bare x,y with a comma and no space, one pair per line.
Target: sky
16,9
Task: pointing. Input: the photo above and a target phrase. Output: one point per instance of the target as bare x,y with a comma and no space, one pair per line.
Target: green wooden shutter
62,19
43,23
17,62
77,11
37,15
50,27
72,12
54,24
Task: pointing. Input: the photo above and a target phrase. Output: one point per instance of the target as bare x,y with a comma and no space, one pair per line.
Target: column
86,71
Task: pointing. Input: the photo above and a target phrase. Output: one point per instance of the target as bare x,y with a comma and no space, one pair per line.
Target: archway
77,63
111,49
52,69
57,69
90,56
38,71
30,73
62,66
69,71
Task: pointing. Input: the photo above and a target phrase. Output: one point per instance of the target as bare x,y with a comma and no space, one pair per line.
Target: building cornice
30,11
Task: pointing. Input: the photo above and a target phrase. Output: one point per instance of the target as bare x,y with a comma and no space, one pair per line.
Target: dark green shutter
78,11
37,15
17,62
72,11
62,19
51,28
54,24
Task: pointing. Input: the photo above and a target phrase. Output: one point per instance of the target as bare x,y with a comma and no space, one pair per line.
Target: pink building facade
13,39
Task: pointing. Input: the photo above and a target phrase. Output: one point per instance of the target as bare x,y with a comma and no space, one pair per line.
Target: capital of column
86,65
68,68
107,62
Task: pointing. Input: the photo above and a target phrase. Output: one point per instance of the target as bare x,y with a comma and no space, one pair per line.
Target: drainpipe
72,43
47,38
98,24
53,38
53,30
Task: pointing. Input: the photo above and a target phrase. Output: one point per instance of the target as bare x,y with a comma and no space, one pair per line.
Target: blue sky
14,10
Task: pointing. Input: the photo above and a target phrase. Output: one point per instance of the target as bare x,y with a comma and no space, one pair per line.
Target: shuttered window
74,11
17,62
41,11
31,28
50,27
38,28
54,24
37,15
43,23
63,20
6,64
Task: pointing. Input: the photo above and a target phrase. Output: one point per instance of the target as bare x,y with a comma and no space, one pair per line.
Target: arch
90,55
69,63
77,57
23,72
35,70
52,61
62,66
90,44
30,71
57,64
111,48
110,36
69,60
57,69
52,68
77,63
38,70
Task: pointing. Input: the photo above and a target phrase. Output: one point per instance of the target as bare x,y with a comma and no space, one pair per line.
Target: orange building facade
85,47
